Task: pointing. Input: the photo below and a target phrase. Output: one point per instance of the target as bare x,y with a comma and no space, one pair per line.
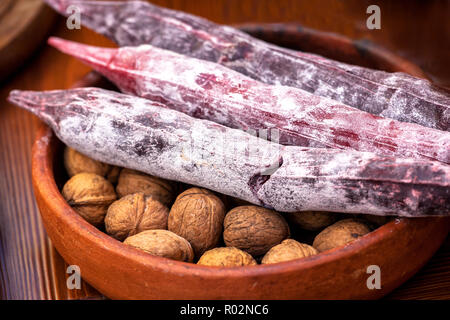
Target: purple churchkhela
140,134
391,95
210,91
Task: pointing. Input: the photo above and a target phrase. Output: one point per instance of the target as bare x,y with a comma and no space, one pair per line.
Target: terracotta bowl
400,248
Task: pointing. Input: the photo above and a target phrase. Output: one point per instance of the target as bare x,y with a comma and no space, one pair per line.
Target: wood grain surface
23,25
30,268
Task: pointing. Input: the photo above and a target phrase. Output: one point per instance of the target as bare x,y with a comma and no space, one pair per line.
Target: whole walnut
254,229
311,220
340,233
162,243
197,215
76,162
226,257
288,250
135,213
90,195
132,181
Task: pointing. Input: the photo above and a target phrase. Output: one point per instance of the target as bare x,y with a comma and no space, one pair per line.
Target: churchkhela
391,95
148,136
210,91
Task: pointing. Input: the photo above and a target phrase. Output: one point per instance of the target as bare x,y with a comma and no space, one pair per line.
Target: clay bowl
400,248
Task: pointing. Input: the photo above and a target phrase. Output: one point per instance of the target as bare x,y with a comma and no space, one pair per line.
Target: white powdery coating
392,95
370,90
138,134
192,152
210,91
290,187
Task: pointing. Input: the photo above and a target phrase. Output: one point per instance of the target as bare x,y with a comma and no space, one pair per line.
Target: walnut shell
132,181
113,174
76,162
90,195
197,215
226,257
162,243
340,233
311,220
254,229
135,213
288,250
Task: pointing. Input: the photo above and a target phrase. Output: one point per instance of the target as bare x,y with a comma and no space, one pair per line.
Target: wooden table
30,268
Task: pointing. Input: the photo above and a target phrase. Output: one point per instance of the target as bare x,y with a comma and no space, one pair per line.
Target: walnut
132,181
135,213
254,229
197,215
76,162
113,174
90,195
288,250
340,233
226,257
162,243
311,220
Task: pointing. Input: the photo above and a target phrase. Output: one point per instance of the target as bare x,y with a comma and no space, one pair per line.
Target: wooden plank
430,283
30,268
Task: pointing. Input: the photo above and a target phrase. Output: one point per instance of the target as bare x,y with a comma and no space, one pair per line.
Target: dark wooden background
29,266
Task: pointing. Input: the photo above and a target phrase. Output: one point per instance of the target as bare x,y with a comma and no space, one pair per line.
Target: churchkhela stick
139,134
391,95
210,91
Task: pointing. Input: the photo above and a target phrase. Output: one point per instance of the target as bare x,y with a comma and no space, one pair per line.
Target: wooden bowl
400,248
23,26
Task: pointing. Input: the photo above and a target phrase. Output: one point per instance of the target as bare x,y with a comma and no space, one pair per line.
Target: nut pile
191,224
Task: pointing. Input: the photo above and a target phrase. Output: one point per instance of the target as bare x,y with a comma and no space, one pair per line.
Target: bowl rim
45,184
